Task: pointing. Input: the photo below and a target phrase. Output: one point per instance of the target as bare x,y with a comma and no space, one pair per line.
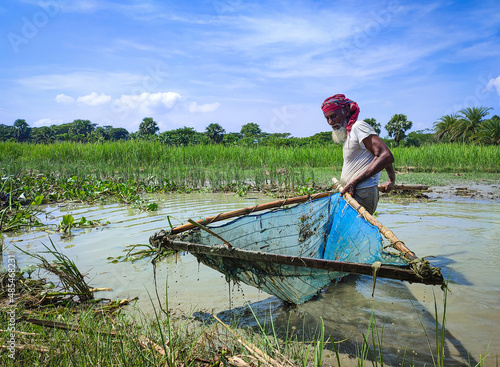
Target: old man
365,155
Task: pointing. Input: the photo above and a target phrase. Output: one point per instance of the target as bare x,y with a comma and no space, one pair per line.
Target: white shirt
357,157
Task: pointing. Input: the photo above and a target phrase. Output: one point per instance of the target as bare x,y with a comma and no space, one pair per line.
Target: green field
218,166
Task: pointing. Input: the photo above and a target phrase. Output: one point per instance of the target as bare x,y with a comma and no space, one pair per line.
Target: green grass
141,158
235,168
124,171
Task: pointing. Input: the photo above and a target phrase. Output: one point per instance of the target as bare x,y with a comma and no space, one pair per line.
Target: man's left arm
389,184
383,159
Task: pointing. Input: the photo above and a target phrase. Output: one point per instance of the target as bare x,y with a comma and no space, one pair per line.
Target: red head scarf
337,101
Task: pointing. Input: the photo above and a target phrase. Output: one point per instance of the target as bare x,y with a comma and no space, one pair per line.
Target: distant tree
61,131
118,133
373,123
250,130
44,134
231,139
22,130
418,138
81,128
397,126
489,131
215,133
276,139
100,134
325,137
148,127
7,132
470,122
443,128
181,137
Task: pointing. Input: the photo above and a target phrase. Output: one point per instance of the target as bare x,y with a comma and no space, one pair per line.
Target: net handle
249,210
387,233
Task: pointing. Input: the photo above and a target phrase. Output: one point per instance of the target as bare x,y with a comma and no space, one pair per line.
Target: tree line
468,125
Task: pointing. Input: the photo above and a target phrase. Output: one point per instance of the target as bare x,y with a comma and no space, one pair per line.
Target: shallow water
462,234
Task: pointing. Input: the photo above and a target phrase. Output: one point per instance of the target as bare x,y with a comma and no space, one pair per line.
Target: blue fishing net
326,228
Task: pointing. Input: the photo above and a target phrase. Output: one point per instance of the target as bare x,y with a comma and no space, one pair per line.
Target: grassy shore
55,326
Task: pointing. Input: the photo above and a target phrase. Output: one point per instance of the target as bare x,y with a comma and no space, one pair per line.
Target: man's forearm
390,172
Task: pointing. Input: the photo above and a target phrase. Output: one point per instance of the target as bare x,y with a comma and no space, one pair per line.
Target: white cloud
93,99
64,99
209,107
145,101
494,83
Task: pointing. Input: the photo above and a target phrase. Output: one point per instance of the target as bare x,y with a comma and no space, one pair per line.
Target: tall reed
155,157
222,166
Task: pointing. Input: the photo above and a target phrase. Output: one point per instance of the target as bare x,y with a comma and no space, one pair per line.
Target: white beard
339,135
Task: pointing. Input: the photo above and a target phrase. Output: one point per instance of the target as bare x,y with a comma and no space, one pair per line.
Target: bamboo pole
406,187
249,210
385,271
274,204
387,233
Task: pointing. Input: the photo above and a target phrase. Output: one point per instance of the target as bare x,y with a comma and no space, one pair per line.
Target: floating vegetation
68,223
138,252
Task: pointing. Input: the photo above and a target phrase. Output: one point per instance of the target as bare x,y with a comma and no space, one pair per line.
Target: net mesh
326,228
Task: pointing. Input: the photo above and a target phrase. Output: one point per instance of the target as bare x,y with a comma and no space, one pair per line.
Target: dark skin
383,157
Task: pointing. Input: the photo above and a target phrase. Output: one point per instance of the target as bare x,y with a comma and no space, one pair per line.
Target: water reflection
463,236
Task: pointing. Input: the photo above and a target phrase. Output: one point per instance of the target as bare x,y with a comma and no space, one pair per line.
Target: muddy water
462,234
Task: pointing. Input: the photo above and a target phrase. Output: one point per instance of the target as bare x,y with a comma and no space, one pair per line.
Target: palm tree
470,122
82,127
22,130
148,127
397,126
215,132
489,132
445,126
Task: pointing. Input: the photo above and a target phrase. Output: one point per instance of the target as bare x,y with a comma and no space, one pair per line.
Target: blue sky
233,62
